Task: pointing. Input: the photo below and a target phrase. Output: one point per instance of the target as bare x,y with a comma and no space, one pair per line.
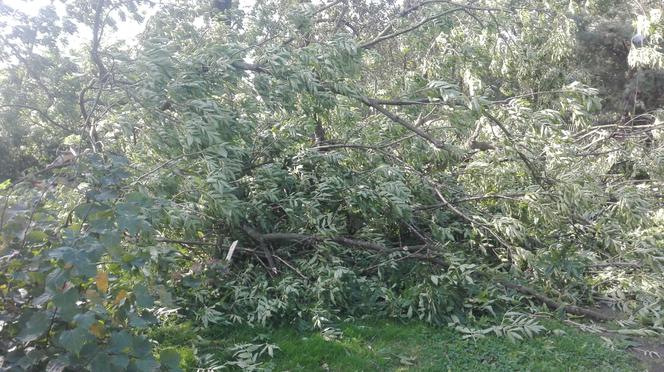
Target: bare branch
464,6
555,305
326,7
97,30
41,113
381,38
403,123
260,238
367,101
511,197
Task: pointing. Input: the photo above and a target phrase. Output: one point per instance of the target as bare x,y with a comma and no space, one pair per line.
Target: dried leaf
102,281
120,297
97,329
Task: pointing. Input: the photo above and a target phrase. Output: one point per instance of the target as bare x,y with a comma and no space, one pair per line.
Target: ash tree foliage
303,163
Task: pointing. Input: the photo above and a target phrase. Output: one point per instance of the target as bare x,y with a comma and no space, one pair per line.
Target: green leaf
66,303
74,340
84,210
5,184
121,342
79,260
146,364
170,360
165,296
36,236
137,321
35,327
42,299
120,361
139,199
56,279
143,298
101,363
141,346
110,239
85,320
57,365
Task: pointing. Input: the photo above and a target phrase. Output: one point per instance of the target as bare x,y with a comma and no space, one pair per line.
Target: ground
392,346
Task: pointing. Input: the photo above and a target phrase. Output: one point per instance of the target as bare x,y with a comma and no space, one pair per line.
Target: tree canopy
297,162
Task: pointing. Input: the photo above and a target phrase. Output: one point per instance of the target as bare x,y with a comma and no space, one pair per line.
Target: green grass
390,346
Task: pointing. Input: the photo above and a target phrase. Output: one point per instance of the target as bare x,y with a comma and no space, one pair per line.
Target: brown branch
555,305
533,94
634,264
84,112
291,267
349,242
169,162
344,145
465,7
326,7
397,119
260,238
511,197
184,242
381,38
473,221
41,113
343,22
407,102
534,172
241,65
97,30
365,100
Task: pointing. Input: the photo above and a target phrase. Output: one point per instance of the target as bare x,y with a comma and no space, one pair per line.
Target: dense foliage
301,163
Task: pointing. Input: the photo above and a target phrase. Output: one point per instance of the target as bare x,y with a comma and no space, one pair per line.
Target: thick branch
365,100
349,242
326,7
241,65
262,243
97,29
555,305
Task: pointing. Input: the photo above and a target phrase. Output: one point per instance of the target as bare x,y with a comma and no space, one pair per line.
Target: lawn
391,346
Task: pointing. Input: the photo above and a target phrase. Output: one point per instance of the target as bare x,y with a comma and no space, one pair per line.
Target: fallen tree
304,164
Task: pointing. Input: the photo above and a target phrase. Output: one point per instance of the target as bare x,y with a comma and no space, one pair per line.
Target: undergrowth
365,345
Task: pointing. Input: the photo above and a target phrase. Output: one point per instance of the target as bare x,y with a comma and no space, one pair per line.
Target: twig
403,123
513,197
41,113
382,38
349,242
634,264
534,172
291,267
465,6
326,7
472,221
4,208
365,100
184,242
